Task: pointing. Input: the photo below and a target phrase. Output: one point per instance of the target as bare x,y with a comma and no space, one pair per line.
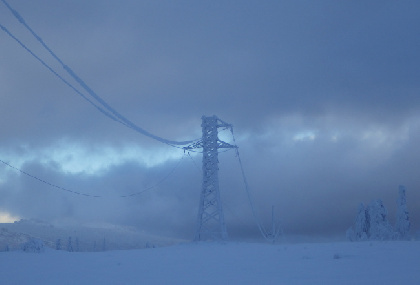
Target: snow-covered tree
77,245
361,224
350,236
33,245
378,226
69,245
359,231
402,225
58,244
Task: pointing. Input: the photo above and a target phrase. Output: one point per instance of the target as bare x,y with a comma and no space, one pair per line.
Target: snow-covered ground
217,263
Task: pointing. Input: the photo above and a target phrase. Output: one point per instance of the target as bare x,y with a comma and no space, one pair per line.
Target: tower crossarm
222,144
199,144
195,145
216,124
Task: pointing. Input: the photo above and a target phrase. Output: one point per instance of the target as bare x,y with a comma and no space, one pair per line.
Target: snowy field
214,263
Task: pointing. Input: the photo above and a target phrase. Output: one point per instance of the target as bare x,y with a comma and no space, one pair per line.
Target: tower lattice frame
211,222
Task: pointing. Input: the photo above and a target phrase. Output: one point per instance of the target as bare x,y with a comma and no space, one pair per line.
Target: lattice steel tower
211,222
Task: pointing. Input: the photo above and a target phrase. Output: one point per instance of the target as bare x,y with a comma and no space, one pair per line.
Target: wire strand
262,230
158,183
46,182
90,195
118,115
58,75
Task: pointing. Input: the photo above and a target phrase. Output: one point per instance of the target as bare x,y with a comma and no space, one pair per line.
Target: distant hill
80,237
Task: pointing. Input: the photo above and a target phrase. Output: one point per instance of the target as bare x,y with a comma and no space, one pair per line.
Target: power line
158,183
46,182
58,75
102,102
262,230
95,196
110,113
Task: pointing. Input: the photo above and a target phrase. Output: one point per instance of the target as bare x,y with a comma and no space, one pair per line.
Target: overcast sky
323,97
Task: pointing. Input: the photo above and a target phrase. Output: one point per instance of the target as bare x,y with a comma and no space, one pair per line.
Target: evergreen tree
69,245
378,225
361,224
350,235
359,231
77,245
402,225
58,244
33,245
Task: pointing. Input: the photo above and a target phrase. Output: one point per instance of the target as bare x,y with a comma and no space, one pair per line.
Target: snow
371,262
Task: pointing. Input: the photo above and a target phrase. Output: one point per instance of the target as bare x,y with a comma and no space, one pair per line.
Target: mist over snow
323,97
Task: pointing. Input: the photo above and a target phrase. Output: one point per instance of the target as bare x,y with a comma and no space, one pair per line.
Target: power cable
262,230
46,182
158,183
90,195
195,164
57,75
112,113
123,119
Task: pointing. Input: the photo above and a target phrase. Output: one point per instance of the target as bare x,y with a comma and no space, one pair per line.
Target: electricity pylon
211,222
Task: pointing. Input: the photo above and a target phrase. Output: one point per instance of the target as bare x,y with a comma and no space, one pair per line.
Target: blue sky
323,97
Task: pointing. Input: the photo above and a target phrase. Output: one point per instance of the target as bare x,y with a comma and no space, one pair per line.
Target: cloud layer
323,98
